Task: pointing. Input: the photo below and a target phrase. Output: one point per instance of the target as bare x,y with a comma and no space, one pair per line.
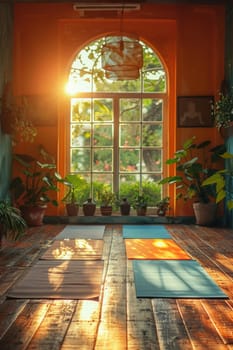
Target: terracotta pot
205,213
226,132
72,209
141,211
33,215
106,210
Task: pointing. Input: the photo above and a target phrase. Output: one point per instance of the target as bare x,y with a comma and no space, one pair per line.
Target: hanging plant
222,110
14,119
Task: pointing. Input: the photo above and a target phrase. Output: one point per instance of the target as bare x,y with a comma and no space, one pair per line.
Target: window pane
103,135
81,135
80,159
103,160
103,110
152,135
130,109
80,110
152,109
102,178
129,160
152,160
154,80
146,178
129,135
126,178
118,85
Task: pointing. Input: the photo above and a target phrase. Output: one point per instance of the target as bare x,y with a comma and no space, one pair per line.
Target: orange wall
188,38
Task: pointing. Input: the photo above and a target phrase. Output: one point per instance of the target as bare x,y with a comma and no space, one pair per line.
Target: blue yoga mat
173,279
145,231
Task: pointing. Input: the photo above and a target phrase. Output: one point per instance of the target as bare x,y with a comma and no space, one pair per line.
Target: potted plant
194,163
32,191
73,183
12,225
140,204
72,205
162,206
107,199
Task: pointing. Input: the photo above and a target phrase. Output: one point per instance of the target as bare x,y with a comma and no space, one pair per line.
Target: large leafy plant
194,163
36,184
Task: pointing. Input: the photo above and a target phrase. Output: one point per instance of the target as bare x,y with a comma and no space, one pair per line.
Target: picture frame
194,111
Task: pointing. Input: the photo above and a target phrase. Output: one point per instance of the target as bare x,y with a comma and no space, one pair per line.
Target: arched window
117,126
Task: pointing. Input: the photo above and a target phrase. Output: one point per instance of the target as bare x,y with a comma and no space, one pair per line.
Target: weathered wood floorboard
119,320
171,330
221,314
112,333
199,327
142,333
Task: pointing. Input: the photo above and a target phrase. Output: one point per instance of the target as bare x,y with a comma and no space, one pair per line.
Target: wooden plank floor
119,321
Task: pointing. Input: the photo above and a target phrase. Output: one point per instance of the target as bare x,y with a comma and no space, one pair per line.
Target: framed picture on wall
194,111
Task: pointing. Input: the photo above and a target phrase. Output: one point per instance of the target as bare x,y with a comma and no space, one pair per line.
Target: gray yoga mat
82,231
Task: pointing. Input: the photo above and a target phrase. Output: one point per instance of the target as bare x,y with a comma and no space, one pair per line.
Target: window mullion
116,121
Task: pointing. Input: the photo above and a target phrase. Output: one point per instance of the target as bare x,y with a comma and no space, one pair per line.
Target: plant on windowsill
140,204
162,206
195,163
32,191
107,200
75,189
72,205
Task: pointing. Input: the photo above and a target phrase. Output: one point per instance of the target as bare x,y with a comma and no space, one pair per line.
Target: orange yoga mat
150,249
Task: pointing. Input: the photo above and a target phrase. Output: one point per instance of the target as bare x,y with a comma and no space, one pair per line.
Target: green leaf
227,155
171,161
220,196
204,144
188,143
170,180
230,204
213,179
